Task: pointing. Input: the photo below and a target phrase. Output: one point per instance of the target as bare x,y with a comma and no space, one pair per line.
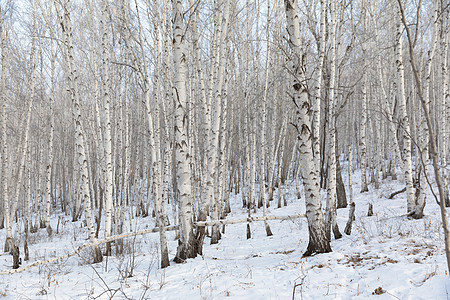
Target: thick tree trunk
187,245
318,241
340,187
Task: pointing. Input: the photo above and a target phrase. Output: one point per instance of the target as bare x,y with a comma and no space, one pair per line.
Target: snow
387,256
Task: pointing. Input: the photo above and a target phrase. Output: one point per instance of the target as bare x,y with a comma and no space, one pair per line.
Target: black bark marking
288,5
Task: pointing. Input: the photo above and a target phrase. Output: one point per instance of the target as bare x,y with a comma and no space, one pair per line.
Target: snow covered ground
387,256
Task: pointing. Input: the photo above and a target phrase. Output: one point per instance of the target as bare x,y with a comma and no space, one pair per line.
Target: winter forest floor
387,256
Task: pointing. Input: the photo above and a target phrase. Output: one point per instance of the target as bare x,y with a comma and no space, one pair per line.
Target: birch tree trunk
331,186
433,147
423,142
159,201
79,135
404,120
263,127
5,162
51,138
389,113
318,241
215,235
187,246
316,103
445,104
109,184
363,124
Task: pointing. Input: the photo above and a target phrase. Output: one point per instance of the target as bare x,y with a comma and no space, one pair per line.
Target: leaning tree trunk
80,141
318,241
433,147
423,142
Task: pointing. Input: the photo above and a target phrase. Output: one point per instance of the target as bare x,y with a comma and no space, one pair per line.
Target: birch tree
318,241
433,147
404,119
107,133
363,124
331,186
72,89
186,243
5,163
263,127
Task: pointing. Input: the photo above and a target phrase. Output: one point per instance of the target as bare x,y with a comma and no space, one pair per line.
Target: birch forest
157,140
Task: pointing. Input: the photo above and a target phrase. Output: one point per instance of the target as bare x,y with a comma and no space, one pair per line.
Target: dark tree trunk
16,256
318,242
370,210
200,234
351,218
340,188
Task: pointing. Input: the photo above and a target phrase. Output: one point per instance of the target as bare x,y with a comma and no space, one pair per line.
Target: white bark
51,137
445,104
316,103
387,109
404,120
159,201
187,244
263,126
107,133
5,164
423,129
318,242
331,186
214,133
363,124
79,135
